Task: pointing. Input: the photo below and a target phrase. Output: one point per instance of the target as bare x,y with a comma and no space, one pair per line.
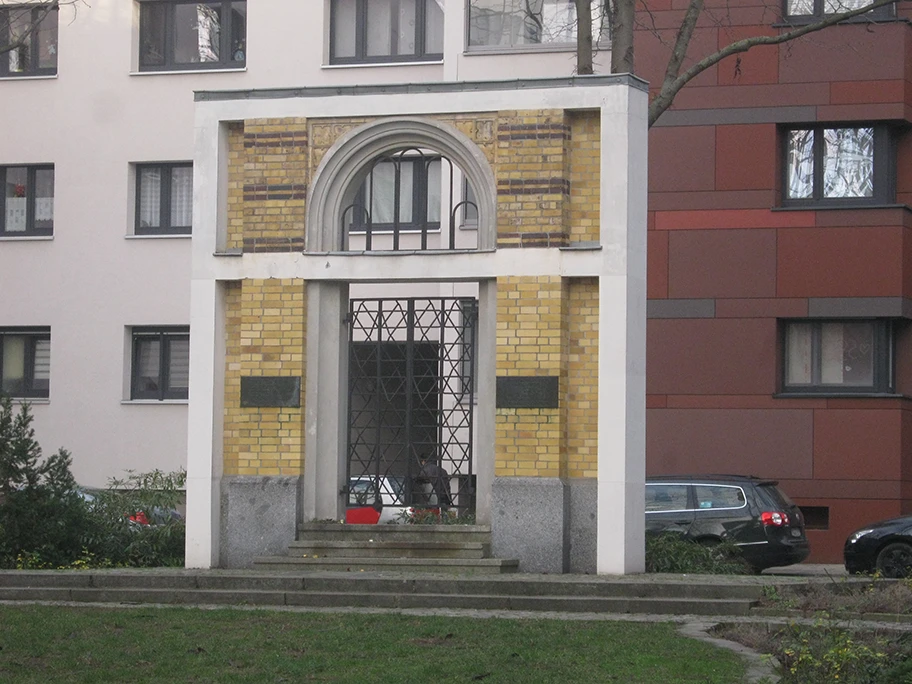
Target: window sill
24,238
182,236
837,395
155,402
361,65
28,77
838,207
800,20
31,401
227,70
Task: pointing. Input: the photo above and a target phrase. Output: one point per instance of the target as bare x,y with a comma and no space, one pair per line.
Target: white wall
91,281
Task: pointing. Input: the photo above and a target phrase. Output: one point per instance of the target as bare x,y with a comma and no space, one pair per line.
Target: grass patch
67,644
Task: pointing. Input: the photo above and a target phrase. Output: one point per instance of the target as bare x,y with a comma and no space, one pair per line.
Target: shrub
118,533
669,552
41,513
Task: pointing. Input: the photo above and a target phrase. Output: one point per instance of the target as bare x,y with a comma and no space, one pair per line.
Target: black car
750,512
884,546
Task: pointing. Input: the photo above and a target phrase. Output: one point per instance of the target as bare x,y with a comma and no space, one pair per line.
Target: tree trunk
584,37
623,13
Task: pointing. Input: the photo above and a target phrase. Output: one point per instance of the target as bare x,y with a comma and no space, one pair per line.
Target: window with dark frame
814,10
531,23
31,33
25,362
838,166
363,31
164,199
161,363
181,34
401,193
838,356
27,200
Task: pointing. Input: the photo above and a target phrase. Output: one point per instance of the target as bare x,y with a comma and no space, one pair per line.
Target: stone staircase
669,595
463,549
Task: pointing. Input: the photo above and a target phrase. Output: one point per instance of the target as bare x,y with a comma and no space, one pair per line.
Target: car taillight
774,518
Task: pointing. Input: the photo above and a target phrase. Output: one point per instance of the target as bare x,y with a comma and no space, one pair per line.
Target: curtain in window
44,198
847,354
148,364
47,41
433,191
799,344
344,23
181,196
179,364
16,192
13,364
382,190
800,159
42,375
197,33
848,162
150,197
379,20
433,27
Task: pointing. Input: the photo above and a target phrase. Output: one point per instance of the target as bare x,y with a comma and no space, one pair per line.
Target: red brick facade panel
727,219
850,52
906,456
761,308
867,92
711,356
758,65
853,218
741,401
840,262
721,263
752,96
857,444
682,159
844,518
657,265
762,443
740,199
652,50
746,157
904,168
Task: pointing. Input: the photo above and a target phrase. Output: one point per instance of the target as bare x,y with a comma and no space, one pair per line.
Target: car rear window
719,496
772,495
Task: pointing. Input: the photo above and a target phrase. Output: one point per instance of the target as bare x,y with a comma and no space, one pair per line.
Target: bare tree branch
12,14
674,80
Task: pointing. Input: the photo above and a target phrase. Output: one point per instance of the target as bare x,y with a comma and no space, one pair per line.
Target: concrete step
441,533
701,588
394,564
388,549
324,599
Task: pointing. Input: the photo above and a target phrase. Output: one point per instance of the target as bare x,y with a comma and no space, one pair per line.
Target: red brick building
780,264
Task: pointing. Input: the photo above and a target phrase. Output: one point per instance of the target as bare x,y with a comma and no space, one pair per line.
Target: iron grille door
410,402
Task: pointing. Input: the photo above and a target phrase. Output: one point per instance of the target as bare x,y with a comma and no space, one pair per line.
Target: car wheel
895,560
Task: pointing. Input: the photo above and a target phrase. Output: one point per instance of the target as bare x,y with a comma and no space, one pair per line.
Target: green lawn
66,644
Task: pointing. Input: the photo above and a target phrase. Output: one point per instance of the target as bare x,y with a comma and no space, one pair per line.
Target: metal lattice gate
411,403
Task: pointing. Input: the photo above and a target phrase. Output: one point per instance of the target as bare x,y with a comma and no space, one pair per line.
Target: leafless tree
600,23
19,23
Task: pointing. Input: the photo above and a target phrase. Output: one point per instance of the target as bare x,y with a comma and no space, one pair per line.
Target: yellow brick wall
581,396
236,160
532,185
584,174
530,336
265,328
276,174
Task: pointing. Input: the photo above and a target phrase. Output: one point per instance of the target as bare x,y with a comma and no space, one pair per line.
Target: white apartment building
96,166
